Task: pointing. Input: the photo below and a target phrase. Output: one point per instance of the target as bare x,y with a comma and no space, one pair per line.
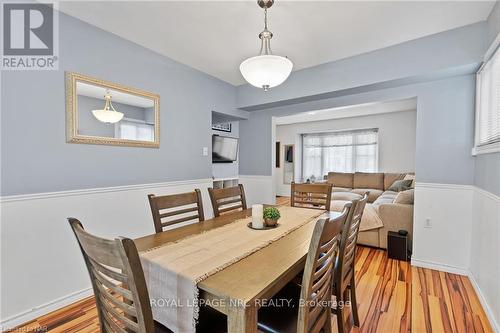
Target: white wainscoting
258,189
445,245
485,253
42,267
464,238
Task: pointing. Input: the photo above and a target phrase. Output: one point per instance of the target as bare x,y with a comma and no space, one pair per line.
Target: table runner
173,270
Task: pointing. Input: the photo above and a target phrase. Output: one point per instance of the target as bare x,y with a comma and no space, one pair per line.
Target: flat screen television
224,149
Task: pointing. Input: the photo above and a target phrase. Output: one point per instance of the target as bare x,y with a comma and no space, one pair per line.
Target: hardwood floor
393,296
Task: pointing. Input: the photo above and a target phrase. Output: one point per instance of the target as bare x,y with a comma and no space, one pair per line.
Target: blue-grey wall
445,111
35,155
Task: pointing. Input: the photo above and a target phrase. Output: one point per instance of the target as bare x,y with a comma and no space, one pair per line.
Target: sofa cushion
369,180
400,185
390,178
372,193
341,179
338,205
385,198
341,189
346,196
405,197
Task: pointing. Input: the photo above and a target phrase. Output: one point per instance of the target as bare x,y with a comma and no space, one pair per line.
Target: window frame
492,147
354,130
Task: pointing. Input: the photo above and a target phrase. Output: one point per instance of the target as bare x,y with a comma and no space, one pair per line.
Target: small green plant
271,213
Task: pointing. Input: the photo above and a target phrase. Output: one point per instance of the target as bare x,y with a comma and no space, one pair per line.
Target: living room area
356,149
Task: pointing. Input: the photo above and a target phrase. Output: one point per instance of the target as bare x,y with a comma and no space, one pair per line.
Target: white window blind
346,151
135,130
488,103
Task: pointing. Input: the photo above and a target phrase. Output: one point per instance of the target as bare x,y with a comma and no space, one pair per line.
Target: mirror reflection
108,114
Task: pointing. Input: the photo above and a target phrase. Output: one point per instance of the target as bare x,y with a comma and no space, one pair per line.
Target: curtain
346,151
133,130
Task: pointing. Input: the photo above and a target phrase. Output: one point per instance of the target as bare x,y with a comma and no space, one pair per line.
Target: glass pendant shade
266,71
108,116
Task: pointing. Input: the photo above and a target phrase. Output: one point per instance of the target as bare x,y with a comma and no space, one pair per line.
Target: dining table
238,289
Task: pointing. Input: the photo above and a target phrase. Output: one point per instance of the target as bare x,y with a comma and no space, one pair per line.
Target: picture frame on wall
222,127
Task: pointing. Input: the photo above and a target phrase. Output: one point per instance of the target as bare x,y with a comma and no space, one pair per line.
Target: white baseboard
486,306
439,267
41,310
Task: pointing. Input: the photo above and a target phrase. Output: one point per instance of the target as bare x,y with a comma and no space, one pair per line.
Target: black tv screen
224,149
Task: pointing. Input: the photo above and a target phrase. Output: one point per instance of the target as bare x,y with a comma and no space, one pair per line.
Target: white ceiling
85,89
215,36
358,110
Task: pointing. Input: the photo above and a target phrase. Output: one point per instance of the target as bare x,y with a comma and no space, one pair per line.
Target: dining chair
227,199
117,278
311,311
120,290
344,281
186,202
316,196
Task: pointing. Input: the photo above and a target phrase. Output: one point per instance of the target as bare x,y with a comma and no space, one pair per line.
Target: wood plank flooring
393,296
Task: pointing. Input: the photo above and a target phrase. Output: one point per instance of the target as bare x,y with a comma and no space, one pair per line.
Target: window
132,129
347,151
488,105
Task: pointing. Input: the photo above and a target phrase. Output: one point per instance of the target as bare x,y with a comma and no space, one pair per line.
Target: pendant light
266,70
108,114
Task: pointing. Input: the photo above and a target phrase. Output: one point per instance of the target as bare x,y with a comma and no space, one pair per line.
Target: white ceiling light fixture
108,114
266,70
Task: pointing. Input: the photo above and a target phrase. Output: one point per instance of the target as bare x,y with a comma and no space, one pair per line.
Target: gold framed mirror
106,113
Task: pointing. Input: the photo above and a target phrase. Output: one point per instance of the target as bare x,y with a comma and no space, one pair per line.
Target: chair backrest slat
344,266
118,281
317,196
224,199
317,278
186,202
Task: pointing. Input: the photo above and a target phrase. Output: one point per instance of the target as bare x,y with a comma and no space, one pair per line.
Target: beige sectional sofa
381,206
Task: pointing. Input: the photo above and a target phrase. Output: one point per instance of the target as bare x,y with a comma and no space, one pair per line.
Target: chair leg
354,302
327,328
340,312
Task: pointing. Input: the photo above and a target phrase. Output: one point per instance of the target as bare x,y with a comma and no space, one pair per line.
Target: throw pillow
412,178
400,185
405,197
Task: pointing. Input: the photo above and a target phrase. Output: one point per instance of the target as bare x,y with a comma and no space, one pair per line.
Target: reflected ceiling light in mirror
108,114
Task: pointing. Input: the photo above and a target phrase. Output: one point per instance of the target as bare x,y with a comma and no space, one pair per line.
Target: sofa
383,212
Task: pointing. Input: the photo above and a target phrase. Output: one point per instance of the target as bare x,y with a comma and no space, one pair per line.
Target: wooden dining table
238,290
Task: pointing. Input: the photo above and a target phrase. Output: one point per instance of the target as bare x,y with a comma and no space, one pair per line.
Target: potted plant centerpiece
271,216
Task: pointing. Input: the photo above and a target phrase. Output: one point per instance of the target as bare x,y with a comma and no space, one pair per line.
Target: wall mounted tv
224,149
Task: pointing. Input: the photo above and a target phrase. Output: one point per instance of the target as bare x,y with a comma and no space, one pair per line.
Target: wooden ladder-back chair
117,278
186,202
344,282
317,196
314,311
227,199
